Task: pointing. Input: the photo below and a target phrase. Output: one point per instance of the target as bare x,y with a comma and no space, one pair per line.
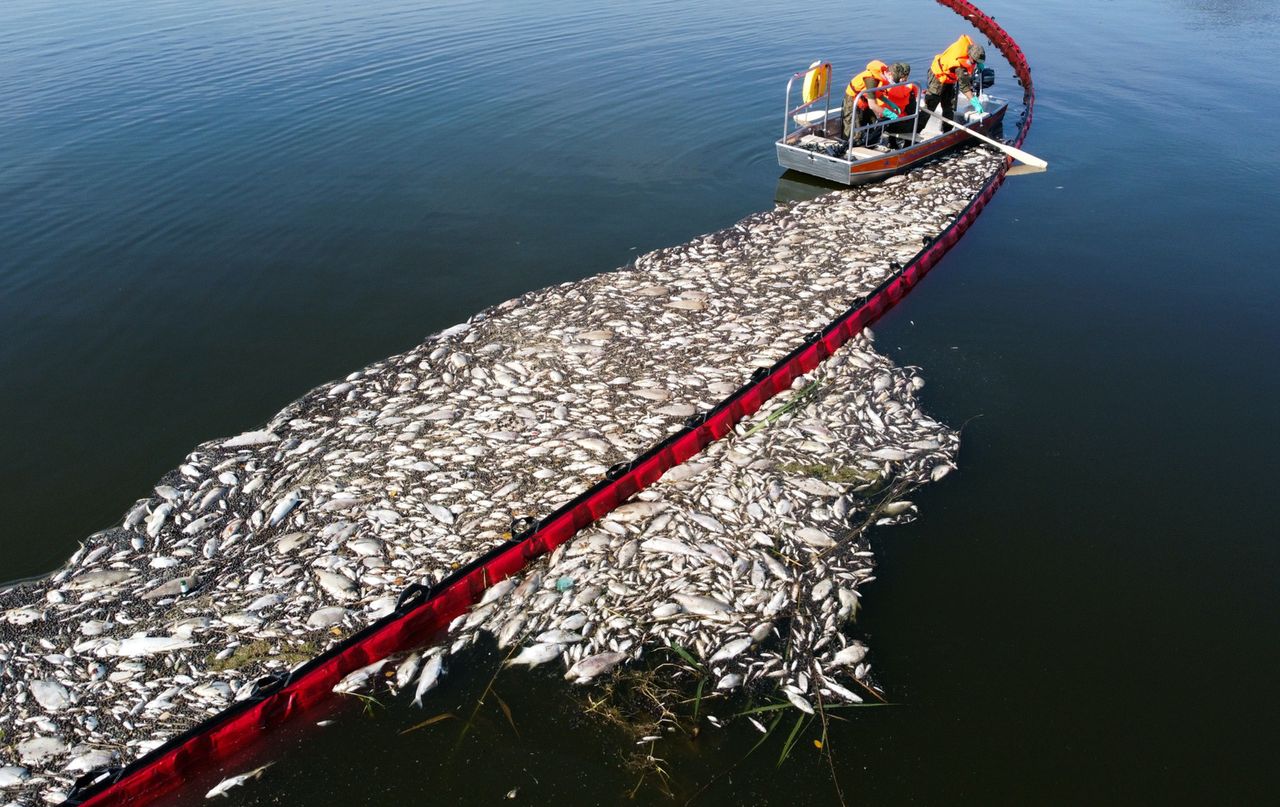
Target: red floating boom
424,613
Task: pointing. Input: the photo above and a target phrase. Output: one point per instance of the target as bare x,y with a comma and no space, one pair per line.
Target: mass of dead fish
752,555
261,550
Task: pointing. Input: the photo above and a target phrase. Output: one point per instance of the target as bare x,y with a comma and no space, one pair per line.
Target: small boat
812,139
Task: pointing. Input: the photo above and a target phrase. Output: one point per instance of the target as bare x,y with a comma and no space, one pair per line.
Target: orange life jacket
875,70
899,97
955,57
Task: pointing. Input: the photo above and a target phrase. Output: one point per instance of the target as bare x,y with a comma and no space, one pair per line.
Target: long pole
1015,153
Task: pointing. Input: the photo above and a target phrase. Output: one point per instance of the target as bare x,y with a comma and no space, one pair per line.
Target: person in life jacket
870,109
902,101
952,71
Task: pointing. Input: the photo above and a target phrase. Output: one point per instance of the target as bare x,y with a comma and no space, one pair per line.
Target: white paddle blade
1022,170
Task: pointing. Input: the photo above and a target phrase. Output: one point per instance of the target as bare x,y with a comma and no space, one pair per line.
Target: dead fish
841,691
703,606
442,514
730,681
200,524
536,654
407,669
253,438
103,578
706,521
221,788
891,454
11,775
821,591
366,547
242,619
291,541
36,750
284,507
429,678
326,617
511,630
141,645
854,653
156,520
498,590
360,679
593,666
559,636
52,696
637,511
173,588
265,601
798,701
337,585
815,537
731,649
91,760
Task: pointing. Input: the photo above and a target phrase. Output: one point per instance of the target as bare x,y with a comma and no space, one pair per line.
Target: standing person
902,101
870,108
953,70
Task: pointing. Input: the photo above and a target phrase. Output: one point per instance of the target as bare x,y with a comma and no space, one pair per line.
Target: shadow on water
794,186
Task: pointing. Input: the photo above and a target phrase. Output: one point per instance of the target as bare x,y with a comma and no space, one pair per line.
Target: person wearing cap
901,101
953,70
870,108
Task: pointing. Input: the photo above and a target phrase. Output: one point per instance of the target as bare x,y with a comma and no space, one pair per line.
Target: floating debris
265,548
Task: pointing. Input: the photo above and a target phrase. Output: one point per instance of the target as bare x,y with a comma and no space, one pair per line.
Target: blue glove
890,114
977,107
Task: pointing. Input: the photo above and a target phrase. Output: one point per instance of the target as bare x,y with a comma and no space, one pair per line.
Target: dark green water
207,209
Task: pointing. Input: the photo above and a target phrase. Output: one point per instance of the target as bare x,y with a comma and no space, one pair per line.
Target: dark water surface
208,208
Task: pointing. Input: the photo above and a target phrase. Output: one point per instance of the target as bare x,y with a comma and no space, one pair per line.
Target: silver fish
361,679
429,677
537,654
221,788
52,696
593,666
284,507
703,606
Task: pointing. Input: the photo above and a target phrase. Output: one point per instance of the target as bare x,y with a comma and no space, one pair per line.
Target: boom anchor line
424,612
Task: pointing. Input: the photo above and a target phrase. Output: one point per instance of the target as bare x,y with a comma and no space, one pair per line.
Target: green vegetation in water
260,652
802,720
831,473
802,397
371,704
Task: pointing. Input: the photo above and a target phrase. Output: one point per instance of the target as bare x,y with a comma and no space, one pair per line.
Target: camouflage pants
864,116
945,95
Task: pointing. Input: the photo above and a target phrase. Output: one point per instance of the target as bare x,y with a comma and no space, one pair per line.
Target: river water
206,209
